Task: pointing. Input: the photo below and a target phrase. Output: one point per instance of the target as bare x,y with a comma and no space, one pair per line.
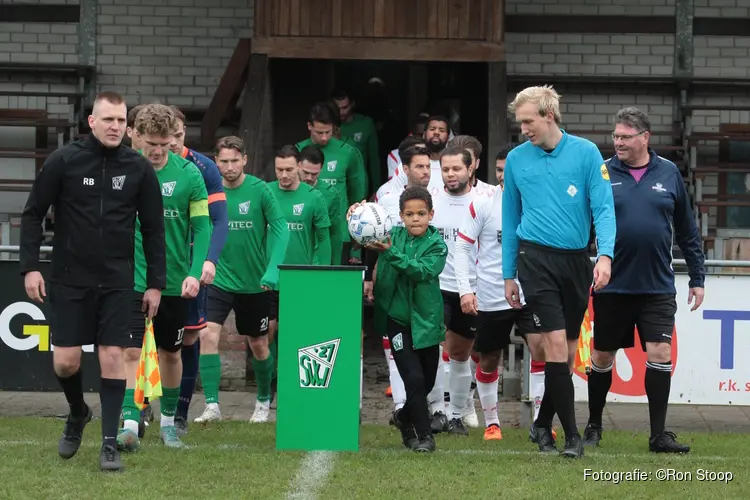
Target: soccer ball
370,222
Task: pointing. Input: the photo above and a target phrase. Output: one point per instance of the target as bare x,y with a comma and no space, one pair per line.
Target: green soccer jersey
254,215
360,132
185,207
344,169
306,214
333,201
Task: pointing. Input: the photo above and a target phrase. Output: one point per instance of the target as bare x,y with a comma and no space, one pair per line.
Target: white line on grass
311,475
379,451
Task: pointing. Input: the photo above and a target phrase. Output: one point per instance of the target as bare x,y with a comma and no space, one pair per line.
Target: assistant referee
97,186
560,180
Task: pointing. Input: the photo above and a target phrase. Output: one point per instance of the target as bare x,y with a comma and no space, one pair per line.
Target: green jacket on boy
407,287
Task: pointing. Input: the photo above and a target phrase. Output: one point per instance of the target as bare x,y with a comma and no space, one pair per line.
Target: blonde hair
156,119
544,96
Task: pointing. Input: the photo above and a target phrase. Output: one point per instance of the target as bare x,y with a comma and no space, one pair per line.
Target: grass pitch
238,460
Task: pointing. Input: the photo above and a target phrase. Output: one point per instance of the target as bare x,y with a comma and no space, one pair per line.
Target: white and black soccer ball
370,222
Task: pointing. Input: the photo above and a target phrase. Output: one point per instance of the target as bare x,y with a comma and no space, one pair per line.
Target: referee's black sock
111,394
658,383
559,383
73,388
600,380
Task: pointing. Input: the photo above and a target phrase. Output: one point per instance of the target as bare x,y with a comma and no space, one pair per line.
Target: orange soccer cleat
493,433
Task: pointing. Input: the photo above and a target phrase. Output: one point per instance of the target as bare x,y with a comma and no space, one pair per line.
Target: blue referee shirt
549,199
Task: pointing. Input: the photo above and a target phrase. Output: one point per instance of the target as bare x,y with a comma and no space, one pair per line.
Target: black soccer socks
600,380
73,388
559,384
111,395
658,384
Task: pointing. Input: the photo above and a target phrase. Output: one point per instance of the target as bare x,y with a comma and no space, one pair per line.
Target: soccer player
652,210
344,168
407,300
247,271
311,161
130,130
474,147
560,181
479,241
96,185
185,212
359,131
196,318
395,183
306,214
436,137
450,205
393,160
500,159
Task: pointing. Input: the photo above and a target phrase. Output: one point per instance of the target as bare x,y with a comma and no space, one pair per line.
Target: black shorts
556,286
85,316
617,315
169,323
196,311
495,328
251,310
455,320
273,305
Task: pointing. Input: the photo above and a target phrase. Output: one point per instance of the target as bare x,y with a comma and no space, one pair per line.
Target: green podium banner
319,347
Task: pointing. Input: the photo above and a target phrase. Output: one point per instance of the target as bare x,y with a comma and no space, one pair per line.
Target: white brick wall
174,53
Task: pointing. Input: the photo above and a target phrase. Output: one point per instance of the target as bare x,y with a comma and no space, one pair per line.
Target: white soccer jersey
393,161
484,189
449,215
390,202
399,181
479,253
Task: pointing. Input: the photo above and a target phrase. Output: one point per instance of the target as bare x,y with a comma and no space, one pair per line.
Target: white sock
487,384
131,425
398,391
166,421
536,390
459,383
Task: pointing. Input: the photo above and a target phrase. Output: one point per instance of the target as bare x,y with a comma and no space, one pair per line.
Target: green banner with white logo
319,346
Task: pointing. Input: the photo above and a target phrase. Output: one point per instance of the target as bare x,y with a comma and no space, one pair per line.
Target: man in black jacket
97,185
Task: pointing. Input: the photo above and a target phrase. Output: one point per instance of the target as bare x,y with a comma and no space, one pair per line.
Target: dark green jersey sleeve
278,237
200,222
356,177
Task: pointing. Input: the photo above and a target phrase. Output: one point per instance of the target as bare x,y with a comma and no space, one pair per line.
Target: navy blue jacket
651,214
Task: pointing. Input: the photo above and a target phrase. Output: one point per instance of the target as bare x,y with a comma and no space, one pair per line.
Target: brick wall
174,53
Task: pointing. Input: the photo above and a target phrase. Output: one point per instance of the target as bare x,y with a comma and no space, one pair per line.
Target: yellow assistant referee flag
148,377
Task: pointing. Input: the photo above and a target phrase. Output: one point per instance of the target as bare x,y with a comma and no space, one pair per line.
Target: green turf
238,460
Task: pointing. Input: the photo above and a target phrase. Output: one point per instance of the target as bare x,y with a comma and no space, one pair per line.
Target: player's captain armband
199,208
605,172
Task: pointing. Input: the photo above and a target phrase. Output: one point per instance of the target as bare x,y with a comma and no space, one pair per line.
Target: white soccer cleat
210,414
469,415
262,410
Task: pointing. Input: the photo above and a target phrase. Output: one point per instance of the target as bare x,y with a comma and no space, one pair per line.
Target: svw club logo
316,363
167,188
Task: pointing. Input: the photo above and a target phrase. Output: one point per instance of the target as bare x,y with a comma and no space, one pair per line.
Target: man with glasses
652,209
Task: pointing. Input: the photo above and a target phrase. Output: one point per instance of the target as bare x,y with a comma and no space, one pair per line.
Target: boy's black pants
417,369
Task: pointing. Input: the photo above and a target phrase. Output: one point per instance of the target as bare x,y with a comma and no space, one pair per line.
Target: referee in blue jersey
653,211
554,183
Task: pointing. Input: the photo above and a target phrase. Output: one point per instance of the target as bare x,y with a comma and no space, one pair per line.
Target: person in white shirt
436,136
478,268
450,205
474,147
417,169
396,183
393,160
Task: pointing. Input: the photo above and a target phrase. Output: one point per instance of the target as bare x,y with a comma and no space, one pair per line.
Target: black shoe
573,446
543,438
456,426
425,444
439,422
408,434
181,426
666,442
592,434
109,459
70,441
